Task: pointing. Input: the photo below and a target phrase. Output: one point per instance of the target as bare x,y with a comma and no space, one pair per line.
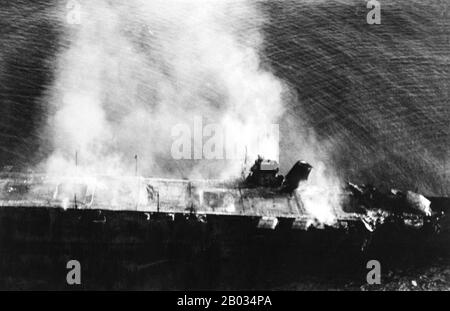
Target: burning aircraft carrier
262,194
156,221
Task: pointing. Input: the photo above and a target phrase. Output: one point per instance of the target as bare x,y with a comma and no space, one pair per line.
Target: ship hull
139,250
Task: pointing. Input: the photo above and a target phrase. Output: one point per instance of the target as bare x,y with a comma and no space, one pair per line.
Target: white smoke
134,69
322,195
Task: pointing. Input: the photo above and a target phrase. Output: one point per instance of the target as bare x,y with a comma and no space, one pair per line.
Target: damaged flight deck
262,194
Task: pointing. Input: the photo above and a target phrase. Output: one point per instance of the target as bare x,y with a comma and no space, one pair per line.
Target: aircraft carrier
229,233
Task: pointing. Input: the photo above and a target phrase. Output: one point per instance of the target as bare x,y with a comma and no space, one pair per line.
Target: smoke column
132,70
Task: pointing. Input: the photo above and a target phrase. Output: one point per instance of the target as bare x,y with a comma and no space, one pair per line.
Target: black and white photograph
246,147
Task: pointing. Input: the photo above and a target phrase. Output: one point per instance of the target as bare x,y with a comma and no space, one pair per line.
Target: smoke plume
133,71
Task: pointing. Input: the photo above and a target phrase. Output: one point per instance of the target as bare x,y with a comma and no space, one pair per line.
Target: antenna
157,206
137,180
244,166
136,165
245,156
